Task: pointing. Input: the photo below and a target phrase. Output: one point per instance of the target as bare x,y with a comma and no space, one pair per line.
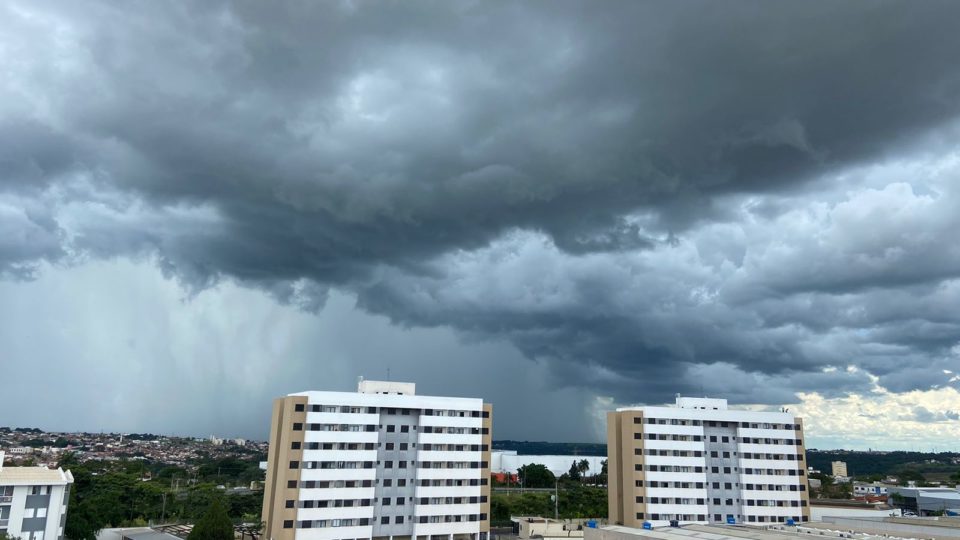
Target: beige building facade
381,463
701,462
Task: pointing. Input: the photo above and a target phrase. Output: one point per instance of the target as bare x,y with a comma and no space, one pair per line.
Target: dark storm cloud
652,197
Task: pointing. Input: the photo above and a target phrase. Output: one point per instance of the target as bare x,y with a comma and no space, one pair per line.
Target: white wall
817,513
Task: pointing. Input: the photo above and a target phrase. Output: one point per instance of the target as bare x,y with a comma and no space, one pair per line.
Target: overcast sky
559,207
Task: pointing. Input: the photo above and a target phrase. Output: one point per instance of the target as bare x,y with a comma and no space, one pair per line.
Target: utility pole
556,499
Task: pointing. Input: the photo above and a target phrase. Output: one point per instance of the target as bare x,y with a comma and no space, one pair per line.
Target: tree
583,466
214,525
536,475
574,472
5,536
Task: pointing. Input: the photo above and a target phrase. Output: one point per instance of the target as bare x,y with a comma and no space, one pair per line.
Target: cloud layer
644,199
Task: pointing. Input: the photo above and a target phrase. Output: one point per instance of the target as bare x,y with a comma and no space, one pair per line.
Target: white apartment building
379,463
702,462
33,502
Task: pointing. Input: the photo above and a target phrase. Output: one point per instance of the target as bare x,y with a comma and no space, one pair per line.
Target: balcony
6,499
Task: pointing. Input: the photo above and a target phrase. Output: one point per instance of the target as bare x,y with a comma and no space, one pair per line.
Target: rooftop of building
716,406
134,533
29,476
775,532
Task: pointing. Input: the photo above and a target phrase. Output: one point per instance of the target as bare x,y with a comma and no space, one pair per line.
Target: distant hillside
877,463
528,448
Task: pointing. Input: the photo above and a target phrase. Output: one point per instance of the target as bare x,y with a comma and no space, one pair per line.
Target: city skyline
205,205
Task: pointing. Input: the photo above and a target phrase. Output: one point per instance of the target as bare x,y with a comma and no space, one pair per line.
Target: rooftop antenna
388,374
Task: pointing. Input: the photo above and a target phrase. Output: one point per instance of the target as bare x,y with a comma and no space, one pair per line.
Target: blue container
791,522
647,525
731,520
592,524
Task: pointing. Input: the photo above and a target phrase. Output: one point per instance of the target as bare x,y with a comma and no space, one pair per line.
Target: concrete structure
134,533
526,527
925,501
902,527
864,489
701,462
508,462
821,509
381,463
727,532
33,501
838,468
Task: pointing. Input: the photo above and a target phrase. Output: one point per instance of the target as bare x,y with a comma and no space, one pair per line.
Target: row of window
351,409
390,428
713,423
780,504
297,445
716,470
387,482
781,457
384,520
775,487
714,454
387,464
717,518
714,438
334,503
785,442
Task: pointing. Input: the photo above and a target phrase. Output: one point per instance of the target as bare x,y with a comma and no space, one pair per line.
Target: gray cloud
647,198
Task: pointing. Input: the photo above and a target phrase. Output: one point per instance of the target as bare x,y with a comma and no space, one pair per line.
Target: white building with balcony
379,463
702,462
33,502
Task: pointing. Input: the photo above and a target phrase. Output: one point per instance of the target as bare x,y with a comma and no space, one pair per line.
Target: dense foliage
214,525
535,475
575,501
115,494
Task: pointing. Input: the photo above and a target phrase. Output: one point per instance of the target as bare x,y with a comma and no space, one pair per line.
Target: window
294,464
401,482
298,407
398,519
385,520
295,445
291,484
725,439
388,464
726,454
290,503
404,446
713,438
288,524
404,429
298,426
391,428
386,501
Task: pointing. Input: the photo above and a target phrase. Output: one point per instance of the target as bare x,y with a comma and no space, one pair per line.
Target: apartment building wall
379,463
700,462
33,502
